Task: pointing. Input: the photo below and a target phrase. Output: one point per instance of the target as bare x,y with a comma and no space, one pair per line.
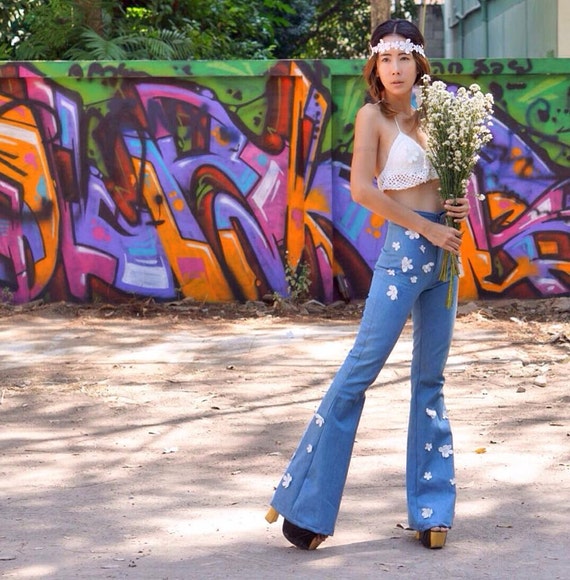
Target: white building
506,28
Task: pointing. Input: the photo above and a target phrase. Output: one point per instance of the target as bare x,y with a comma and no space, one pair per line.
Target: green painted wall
226,180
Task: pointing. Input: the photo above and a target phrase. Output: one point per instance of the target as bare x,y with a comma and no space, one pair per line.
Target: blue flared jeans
405,282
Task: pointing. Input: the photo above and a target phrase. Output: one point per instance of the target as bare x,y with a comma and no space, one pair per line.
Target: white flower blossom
422,249
457,128
309,448
319,420
445,450
452,481
396,246
391,272
427,475
427,513
427,268
428,447
287,479
457,123
431,413
412,235
407,264
392,292
413,279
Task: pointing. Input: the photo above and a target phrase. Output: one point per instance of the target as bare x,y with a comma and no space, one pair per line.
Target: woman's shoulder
370,113
371,119
369,109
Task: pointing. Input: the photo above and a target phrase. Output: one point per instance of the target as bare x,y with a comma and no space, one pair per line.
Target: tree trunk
379,12
92,14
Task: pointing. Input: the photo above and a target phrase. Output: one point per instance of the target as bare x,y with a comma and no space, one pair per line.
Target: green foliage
41,30
186,29
294,28
199,29
341,29
298,281
6,295
298,286
11,16
155,45
407,9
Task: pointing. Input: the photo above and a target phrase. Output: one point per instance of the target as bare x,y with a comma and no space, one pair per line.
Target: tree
380,11
340,28
140,29
92,14
407,9
187,29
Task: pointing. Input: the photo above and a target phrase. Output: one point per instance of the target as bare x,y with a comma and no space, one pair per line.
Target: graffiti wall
224,181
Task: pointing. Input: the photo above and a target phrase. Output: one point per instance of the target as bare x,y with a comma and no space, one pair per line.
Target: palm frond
92,46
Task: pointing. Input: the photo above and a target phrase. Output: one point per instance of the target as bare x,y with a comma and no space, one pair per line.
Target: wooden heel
272,515
433,539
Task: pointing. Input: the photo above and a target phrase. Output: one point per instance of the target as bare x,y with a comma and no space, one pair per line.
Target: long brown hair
405,29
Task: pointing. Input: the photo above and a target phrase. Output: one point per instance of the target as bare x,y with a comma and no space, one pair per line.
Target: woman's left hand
457,209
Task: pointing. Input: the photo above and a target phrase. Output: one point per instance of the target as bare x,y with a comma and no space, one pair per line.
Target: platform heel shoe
299,537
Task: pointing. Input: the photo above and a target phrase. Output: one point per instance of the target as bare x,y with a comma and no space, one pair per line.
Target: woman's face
396,69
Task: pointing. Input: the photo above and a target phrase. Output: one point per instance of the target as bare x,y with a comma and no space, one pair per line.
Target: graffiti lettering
121,183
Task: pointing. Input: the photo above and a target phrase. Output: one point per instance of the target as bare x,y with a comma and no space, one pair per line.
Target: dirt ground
143,442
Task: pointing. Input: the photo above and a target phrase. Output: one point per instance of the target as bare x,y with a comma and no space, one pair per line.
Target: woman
389,145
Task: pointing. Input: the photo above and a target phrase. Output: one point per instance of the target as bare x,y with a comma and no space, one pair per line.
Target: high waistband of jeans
438,217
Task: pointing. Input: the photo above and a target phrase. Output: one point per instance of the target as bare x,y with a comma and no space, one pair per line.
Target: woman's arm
363,191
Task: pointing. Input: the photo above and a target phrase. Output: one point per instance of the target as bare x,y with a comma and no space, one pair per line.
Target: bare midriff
422,197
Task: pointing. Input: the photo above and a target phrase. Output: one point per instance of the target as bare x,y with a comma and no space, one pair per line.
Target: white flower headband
403,46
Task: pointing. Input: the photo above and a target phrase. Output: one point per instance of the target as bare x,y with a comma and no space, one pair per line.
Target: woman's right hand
444,237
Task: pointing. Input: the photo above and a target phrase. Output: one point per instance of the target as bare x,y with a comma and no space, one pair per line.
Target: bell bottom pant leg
430,478
310,491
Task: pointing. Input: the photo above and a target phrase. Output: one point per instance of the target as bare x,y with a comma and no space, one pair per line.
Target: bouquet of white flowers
457,127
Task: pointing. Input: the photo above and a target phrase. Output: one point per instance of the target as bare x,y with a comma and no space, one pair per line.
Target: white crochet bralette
407,164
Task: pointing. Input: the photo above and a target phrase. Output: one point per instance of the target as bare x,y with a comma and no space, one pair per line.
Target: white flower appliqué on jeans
407,264
427,513
391,272
287,479
427,475
431,413
445,450
309,448
452,481
319,420
412,235
427,268
392,292
428,447
396,245
413,279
